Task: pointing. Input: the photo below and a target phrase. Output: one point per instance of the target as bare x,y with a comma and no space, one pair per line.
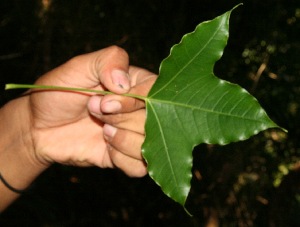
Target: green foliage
188,106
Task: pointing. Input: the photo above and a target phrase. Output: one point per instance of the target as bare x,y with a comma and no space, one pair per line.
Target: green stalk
59,88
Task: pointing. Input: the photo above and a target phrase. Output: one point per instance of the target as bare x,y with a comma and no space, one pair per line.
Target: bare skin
71,128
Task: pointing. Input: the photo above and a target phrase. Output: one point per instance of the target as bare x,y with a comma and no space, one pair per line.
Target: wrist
18,163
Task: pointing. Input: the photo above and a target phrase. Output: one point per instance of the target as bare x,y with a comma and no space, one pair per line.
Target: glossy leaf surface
188,106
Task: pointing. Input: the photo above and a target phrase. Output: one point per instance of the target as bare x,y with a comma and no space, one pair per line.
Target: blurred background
251,183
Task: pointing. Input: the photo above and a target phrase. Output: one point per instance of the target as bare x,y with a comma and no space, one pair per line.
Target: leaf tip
240,4
274,125
185,209
283,129
236,6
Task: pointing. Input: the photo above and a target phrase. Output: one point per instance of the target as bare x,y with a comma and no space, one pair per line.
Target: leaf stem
60,88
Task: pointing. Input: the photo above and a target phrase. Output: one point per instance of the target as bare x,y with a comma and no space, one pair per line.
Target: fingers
118,104
142,81
131,167
99,105
134,121
125,150
127,142
110,67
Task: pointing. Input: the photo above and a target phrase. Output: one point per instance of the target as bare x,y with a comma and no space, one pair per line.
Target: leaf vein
199,108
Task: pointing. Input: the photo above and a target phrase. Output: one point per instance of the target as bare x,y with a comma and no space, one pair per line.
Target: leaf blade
188,98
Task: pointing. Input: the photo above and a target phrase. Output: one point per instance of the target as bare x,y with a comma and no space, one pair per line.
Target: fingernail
112,106
121,79
109,131
94,104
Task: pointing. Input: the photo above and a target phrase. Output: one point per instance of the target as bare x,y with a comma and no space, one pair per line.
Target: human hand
64,131
124,119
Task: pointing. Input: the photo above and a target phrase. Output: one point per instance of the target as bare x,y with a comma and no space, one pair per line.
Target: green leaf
188,106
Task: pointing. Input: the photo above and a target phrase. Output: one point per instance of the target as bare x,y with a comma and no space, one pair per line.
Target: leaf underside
188,106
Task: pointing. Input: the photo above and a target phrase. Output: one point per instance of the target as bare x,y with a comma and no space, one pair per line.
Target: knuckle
139,171
120,140
118,119
115,119
115,50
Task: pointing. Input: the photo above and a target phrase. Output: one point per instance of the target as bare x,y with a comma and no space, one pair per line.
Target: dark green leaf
188,106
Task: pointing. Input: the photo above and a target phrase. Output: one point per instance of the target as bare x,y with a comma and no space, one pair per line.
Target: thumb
110,68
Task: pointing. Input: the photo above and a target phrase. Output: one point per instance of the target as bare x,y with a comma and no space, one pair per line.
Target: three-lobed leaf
188,106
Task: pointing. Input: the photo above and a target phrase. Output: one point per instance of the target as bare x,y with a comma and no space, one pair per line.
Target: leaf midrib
164,141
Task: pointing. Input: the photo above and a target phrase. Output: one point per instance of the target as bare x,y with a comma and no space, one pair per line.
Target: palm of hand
63,126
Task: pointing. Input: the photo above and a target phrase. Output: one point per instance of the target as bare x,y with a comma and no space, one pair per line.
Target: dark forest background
251,183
